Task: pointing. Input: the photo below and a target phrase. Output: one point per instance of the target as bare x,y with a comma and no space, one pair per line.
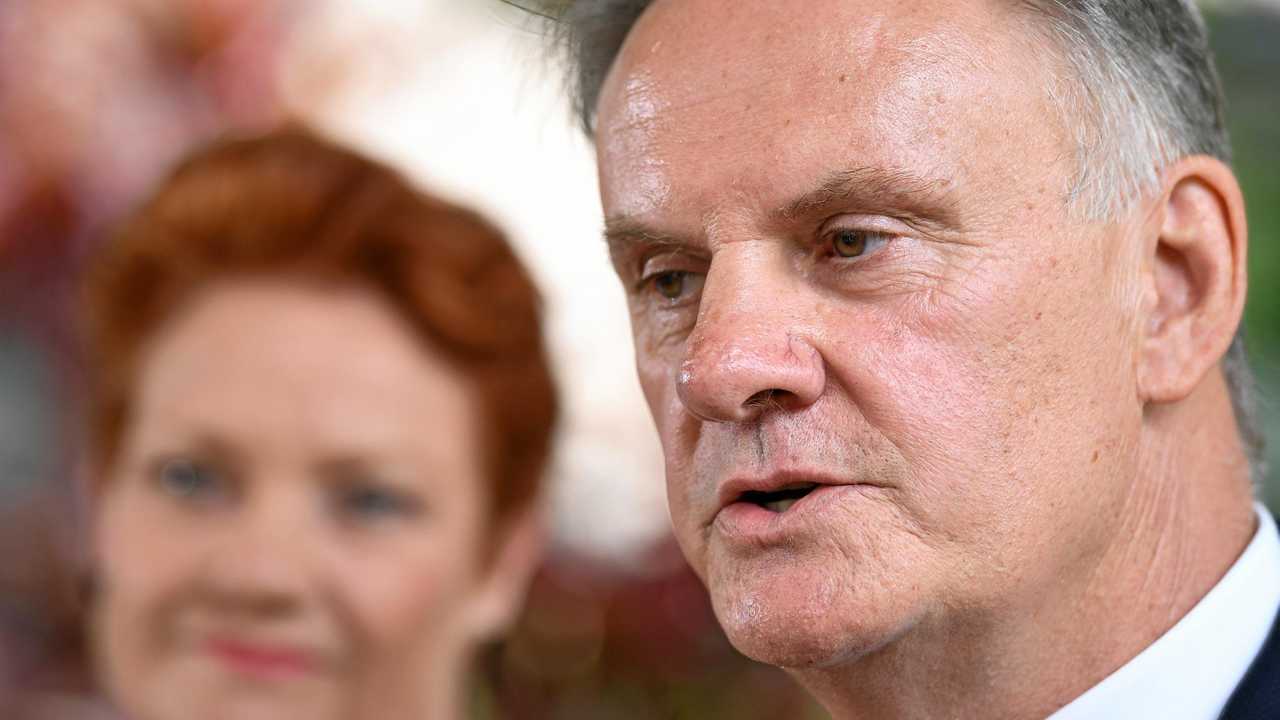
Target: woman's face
295,525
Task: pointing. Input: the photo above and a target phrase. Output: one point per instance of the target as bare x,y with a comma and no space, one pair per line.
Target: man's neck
1186,522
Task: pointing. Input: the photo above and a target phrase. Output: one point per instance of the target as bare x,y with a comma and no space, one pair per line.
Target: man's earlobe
1195,279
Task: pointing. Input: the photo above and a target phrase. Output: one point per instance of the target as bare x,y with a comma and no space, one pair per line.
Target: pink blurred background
98,97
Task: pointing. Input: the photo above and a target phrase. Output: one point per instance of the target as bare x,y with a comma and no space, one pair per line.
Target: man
934,308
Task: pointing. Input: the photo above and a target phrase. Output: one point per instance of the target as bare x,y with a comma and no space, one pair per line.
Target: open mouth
777,500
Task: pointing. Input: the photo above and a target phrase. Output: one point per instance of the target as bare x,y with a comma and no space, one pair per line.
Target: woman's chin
211,696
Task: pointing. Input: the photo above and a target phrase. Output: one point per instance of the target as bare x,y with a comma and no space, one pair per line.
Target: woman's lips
259,660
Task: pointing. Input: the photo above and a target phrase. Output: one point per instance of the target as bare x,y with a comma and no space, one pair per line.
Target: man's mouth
762,510
779,500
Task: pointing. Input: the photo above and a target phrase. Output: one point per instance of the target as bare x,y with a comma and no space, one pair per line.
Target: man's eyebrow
898,193
622,232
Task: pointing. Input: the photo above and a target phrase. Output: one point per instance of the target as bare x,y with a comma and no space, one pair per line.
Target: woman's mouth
259,660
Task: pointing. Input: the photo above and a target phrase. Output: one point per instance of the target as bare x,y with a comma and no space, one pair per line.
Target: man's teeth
780,505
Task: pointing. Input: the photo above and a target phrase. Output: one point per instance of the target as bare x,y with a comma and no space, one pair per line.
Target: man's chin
798,619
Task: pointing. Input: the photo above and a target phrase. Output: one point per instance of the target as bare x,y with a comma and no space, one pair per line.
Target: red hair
292,204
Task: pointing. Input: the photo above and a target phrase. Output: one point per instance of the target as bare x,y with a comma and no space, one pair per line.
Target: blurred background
98,97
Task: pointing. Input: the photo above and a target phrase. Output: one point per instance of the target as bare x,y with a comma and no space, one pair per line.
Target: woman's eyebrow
208,444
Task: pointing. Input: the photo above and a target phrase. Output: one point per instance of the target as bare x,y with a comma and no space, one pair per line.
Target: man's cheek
656,373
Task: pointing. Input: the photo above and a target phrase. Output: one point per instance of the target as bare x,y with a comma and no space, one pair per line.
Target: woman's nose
260,565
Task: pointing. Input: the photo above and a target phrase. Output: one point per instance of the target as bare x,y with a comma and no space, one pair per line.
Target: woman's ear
90,485
1195,278
518,550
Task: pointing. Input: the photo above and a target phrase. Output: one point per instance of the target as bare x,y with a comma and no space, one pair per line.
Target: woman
320,411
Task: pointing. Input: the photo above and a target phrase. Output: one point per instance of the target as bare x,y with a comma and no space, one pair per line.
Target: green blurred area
1248,56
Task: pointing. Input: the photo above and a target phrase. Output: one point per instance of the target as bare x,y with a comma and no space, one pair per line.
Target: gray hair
1141,92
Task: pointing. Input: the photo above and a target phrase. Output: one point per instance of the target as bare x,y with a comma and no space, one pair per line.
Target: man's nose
751,349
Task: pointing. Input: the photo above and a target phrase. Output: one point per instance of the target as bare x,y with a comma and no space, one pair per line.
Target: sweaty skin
850,260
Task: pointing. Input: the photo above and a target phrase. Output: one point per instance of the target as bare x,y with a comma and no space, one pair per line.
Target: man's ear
1195,278
518,550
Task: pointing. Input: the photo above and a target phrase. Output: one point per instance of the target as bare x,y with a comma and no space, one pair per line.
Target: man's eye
370,503
676,285
848,243
188,479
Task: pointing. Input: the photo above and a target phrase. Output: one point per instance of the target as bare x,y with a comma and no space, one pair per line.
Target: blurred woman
320,411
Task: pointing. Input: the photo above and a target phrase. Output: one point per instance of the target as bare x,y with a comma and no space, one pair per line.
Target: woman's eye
676,284
188,479
366,502
855,243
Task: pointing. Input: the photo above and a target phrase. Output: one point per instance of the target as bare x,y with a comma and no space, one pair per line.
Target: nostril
767,400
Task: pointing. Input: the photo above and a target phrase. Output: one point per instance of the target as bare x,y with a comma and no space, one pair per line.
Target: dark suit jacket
1258,695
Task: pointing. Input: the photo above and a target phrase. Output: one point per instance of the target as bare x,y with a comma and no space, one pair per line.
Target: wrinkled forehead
752,87
792,40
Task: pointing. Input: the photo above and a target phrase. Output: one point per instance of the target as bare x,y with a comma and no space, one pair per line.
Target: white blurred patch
459,95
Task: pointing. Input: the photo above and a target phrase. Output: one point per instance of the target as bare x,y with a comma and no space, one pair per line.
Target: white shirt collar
1190,672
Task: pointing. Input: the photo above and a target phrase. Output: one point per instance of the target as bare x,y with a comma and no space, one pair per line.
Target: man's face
892,375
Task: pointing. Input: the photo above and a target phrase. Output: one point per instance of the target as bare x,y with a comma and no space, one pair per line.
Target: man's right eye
676,285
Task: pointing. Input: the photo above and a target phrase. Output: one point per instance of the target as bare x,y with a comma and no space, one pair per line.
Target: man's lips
770,509
258,659
781,485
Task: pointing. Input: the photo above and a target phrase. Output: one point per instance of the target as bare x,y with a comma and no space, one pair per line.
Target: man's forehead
766,98
677,46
